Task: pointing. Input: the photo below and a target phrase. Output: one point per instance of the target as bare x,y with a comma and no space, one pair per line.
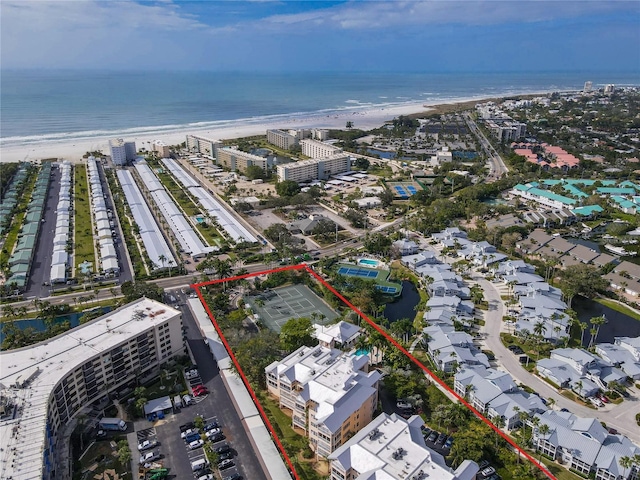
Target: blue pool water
367,261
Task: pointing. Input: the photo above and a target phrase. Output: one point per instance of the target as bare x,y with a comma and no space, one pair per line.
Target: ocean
41,106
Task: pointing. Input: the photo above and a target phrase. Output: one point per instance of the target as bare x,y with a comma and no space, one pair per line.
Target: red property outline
391,340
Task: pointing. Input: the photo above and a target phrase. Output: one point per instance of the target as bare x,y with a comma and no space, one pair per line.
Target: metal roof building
227,220
152,238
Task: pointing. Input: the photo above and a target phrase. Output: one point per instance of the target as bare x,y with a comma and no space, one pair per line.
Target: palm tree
593,331
626,463
578,385
598,322
539,329
162,259
171,262
543,431
550,403
582,326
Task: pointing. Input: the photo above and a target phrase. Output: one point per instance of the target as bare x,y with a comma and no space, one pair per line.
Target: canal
39,326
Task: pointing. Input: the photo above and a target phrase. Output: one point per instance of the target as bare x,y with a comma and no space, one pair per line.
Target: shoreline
73,149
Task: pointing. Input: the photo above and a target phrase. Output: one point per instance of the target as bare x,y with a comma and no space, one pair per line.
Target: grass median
83,235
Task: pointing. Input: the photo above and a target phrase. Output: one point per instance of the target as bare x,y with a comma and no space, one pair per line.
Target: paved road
497,166
218,402
41,264
621,417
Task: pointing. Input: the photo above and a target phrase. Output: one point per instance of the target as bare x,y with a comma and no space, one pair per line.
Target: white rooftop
42,366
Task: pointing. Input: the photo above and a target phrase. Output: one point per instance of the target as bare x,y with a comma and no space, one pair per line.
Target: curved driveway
621,416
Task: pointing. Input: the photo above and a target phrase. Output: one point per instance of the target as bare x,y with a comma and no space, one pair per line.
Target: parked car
186,433
233,476
147,444
223,465
187,426
603,397
441,438
192,438
211,426
196,444
433,437
426,432
225,456
200,388
448,443
222,449
216,438
149,457
487,472
213,432
207,476
200,393
596,401
403,404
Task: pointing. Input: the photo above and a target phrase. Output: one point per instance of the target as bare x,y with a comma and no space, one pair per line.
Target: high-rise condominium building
202,145
316,149
122,152
43,387
236,160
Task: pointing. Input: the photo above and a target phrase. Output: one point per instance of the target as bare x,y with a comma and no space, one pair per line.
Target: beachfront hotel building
316,149
330,394
314,169
392,448
161,148
202,145
43,387
122,152
237,160
282,139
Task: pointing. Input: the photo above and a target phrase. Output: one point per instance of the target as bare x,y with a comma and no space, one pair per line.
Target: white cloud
363,15
92,14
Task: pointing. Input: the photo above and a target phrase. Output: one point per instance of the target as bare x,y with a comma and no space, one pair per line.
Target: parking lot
214,406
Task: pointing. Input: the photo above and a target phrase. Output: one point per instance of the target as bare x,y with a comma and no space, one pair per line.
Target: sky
356,35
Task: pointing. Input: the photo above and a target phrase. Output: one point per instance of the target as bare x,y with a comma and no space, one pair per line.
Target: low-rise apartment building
314,169
203,145
237,160
393,448
44,386
329,393
316,149
282,139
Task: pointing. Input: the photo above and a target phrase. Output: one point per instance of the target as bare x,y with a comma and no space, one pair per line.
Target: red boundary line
377,327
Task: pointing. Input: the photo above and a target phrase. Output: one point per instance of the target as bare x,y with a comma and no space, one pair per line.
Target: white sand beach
73,149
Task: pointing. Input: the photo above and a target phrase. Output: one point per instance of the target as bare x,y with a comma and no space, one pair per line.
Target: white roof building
342,333
49,383
392,448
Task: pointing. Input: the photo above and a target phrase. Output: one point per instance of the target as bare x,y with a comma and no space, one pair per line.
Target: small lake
404,305
38,324
381,153
618,324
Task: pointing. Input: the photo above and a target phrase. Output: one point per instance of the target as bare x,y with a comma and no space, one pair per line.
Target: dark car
192,437
217,438
187,426
524,359
222,449
564,409
432,438
426,432
448,443
211,426
441,438
225,456
233,476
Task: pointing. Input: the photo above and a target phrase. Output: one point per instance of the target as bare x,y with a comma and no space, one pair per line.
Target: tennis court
358,272
275,307
404,190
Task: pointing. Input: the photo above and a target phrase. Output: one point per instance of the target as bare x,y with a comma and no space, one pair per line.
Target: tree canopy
134,290
295,333
582,280
287,188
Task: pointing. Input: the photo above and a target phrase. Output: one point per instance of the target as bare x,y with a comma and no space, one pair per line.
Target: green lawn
618,308
83,235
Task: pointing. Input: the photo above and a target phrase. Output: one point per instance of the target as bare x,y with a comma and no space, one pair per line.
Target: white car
213,432
186,433
208,476
147,444
149,457
596,401
196,444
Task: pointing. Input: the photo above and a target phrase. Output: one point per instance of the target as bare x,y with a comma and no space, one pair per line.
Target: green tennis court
275,307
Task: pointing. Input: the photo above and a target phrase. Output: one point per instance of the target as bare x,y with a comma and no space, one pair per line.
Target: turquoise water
42,106
200,219
361,351
366,261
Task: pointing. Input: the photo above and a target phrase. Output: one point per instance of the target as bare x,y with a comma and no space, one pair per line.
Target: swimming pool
368,262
